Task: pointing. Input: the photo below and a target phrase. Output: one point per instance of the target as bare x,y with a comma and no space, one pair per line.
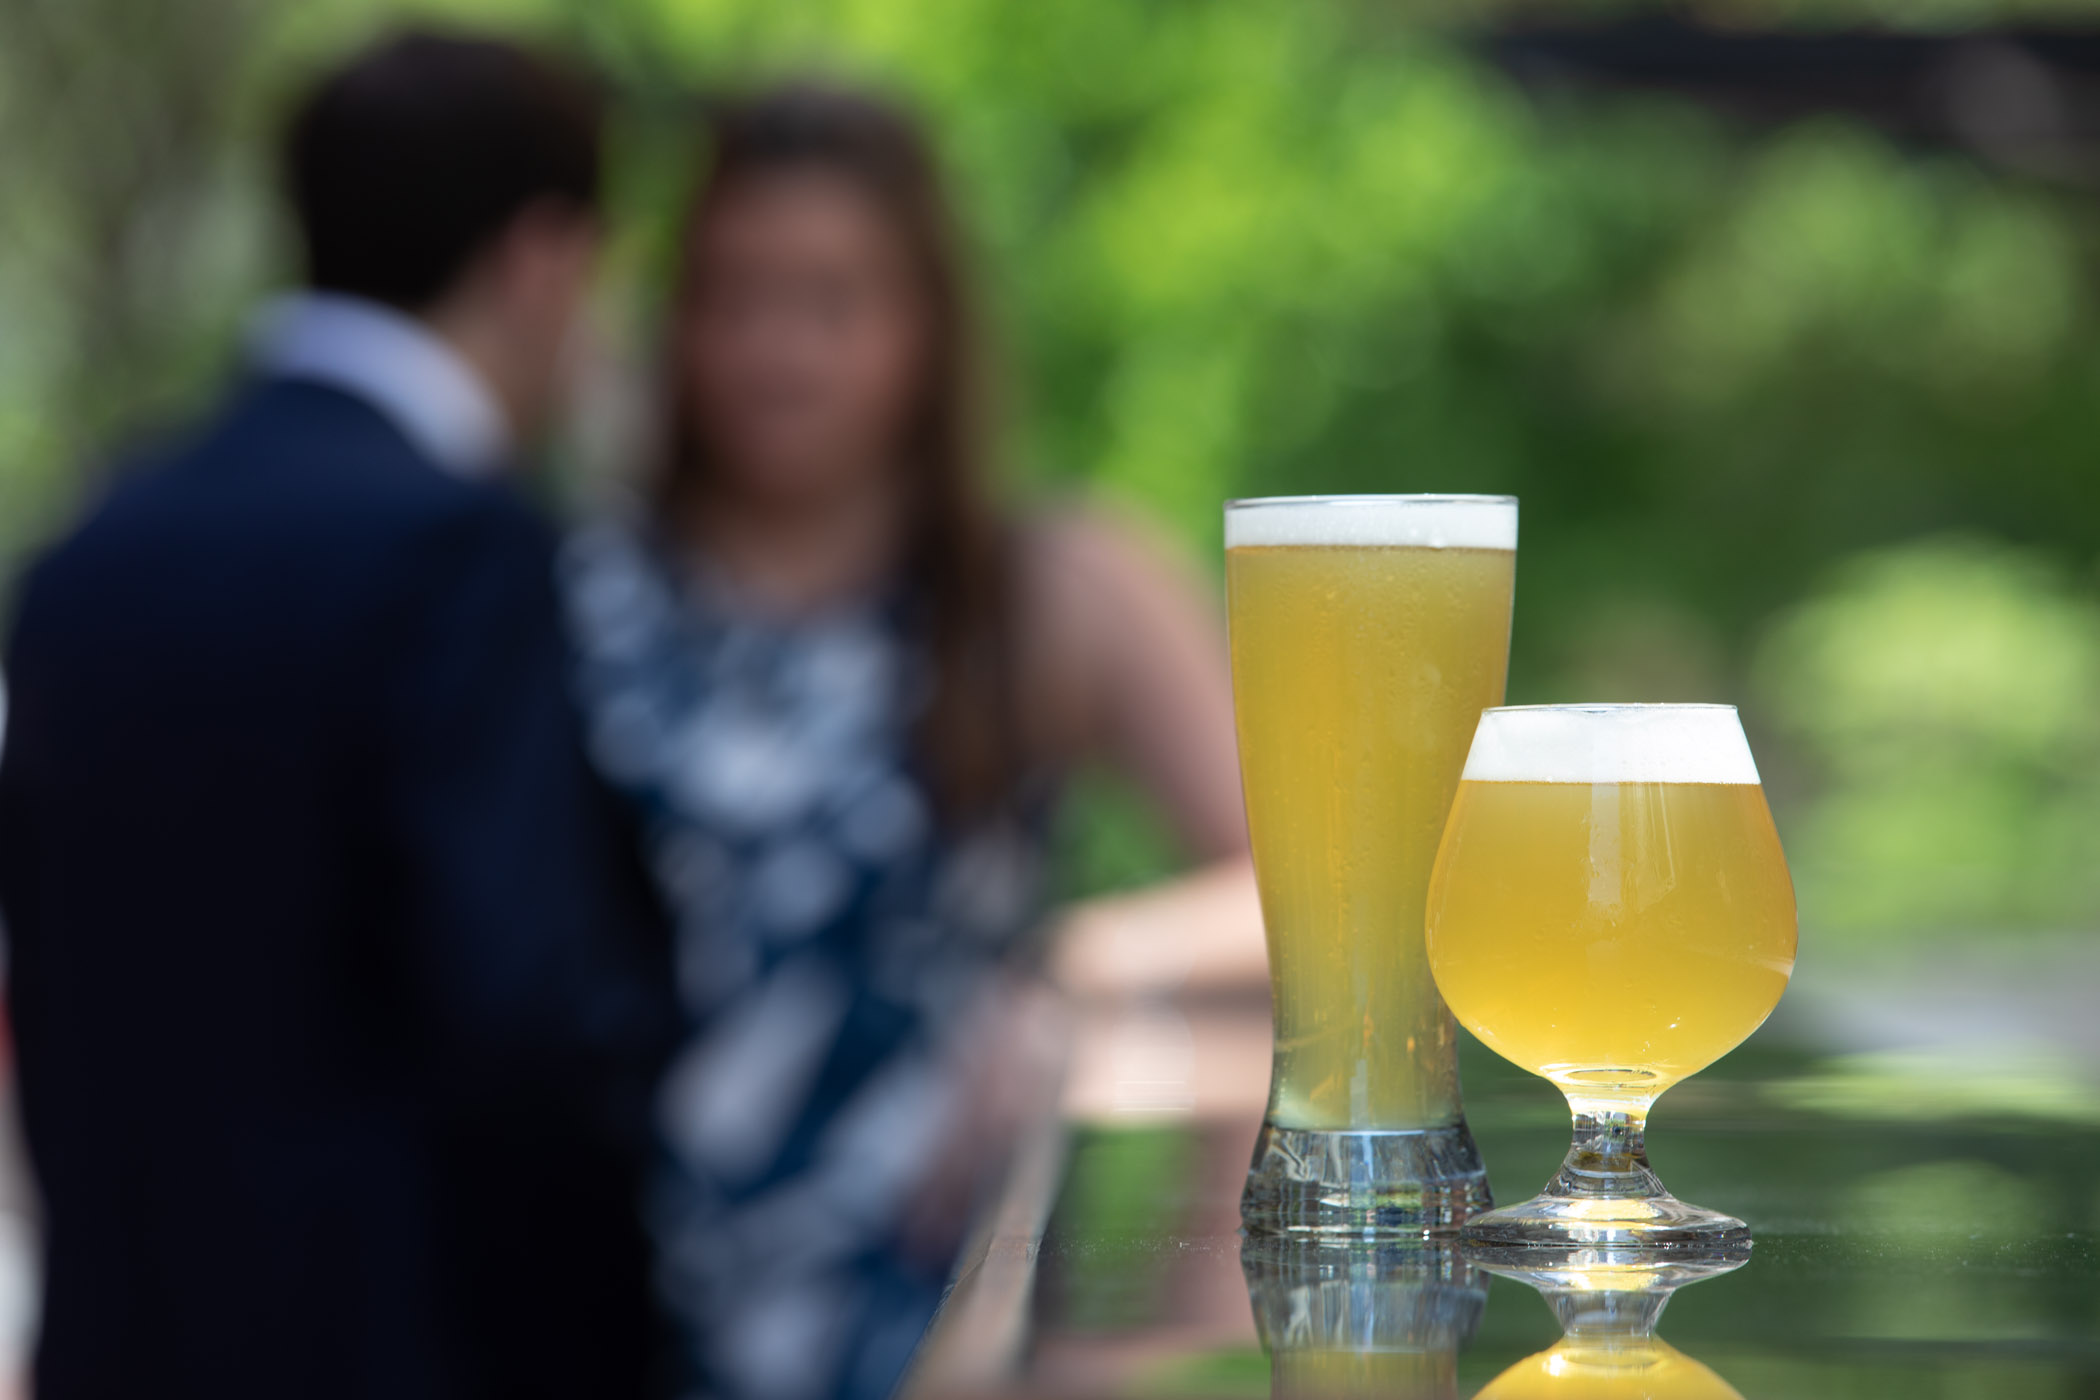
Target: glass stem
1610,1315
1610,1155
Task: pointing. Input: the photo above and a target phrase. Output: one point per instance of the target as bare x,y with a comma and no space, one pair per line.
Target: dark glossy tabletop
1922,1228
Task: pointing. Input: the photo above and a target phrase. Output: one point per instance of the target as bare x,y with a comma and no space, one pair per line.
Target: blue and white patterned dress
832,935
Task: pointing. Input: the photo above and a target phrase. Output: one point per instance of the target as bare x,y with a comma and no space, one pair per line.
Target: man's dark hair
406,162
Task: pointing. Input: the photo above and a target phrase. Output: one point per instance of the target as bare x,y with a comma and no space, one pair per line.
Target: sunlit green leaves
1923,272
1946,692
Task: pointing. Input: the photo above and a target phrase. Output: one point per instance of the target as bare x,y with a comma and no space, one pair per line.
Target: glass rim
1418,498
1605,707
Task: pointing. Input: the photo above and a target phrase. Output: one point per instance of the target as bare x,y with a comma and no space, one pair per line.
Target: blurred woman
842,685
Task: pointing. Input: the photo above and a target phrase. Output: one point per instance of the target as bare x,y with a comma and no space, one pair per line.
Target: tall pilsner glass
1368,633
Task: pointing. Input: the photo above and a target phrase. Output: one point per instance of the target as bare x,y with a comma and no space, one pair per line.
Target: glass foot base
1363,1184
1592,1222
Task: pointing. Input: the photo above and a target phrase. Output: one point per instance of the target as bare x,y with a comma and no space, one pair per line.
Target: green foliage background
1798,419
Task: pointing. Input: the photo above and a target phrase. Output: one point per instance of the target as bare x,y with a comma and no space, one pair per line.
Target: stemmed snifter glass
1610,908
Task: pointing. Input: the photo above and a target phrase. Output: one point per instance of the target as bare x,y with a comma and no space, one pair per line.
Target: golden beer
1637,1369
1612,935
1367,636
1364,1374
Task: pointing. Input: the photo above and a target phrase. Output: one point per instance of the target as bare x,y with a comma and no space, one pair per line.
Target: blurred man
337,998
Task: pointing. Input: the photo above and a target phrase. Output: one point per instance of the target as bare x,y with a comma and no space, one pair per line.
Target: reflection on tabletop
1924,1204
1607,1303
1925,1226
1362,1319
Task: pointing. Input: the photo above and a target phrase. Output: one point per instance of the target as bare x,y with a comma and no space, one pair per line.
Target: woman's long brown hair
955,567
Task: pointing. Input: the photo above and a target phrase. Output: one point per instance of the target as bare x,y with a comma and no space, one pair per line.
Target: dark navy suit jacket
337,992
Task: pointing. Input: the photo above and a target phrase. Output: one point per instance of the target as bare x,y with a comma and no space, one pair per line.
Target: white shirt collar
392,362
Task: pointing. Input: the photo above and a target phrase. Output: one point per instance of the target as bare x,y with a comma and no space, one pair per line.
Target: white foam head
1611,744
1423,522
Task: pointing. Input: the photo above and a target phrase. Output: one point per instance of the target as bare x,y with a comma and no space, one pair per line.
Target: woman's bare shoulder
1098,588
1078,559
1070,565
